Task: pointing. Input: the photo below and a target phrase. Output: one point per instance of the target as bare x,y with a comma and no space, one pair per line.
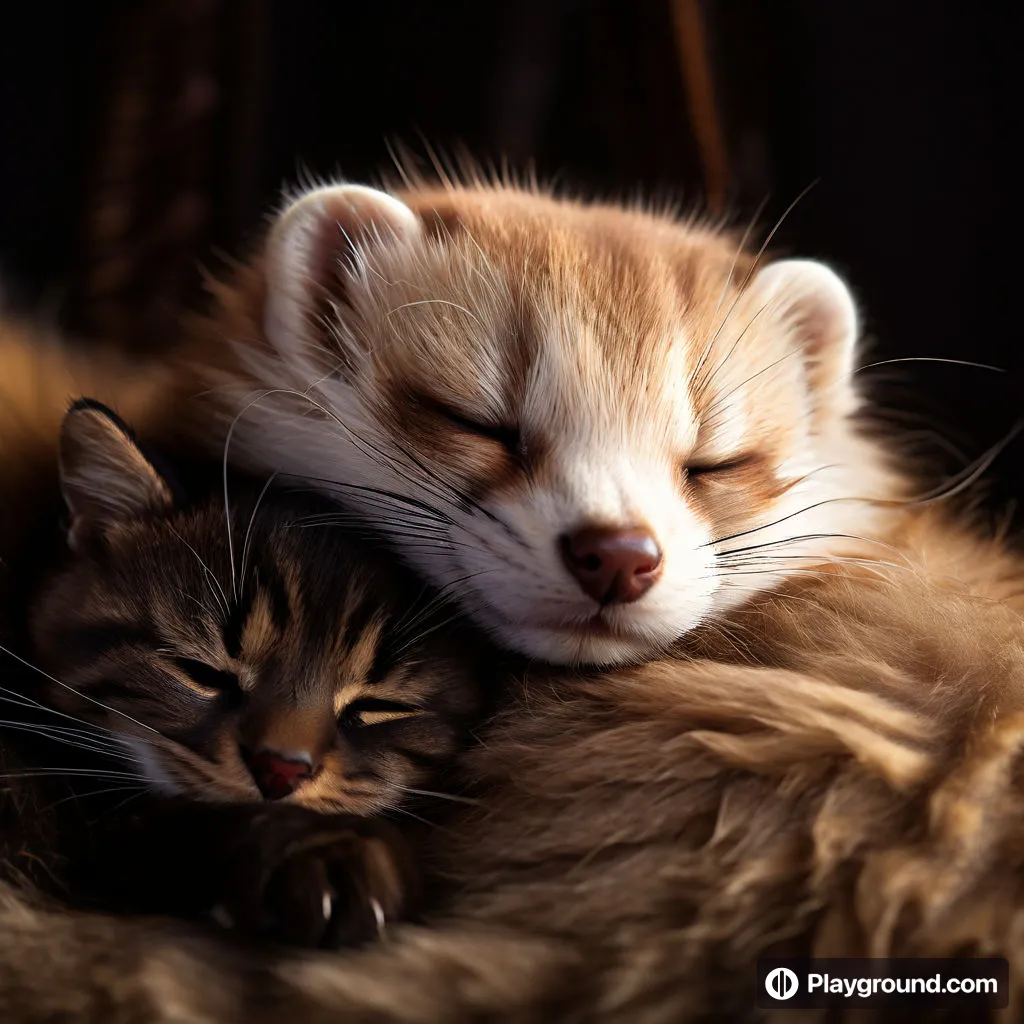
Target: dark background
139,140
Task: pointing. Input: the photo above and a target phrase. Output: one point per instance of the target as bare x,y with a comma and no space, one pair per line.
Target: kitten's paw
315,880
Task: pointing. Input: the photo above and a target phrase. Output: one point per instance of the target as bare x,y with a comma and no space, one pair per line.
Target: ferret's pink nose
612,566
279,775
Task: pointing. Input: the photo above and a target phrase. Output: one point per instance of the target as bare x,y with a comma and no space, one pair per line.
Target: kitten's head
592,414
260,653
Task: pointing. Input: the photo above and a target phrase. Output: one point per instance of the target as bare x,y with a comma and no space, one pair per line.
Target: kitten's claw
378,913
316,880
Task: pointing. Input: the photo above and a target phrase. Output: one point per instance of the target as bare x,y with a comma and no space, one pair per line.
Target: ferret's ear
314,243
813,304
104,476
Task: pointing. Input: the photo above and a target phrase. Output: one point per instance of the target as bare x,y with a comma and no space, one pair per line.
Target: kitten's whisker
440,796
28,702
409,814
205,608
78,693
219,593
76,742
252,519
87,733
89,773
139,791
24,702
227,507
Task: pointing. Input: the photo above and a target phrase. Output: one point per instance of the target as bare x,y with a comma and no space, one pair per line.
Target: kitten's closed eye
244,699
368,711
206,677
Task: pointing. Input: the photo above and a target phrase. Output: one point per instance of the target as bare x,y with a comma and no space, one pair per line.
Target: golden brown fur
40,375
202,641
645,835
495,369
832,765
213,633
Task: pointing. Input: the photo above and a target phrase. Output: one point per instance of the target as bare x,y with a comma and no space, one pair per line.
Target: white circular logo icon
782,983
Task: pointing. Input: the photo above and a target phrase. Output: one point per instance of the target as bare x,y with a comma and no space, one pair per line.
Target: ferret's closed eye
509,437
368,711
697,469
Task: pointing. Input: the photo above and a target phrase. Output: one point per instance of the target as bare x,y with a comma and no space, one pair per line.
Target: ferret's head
597,427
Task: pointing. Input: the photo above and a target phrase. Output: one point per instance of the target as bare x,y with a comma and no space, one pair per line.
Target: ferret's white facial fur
602,352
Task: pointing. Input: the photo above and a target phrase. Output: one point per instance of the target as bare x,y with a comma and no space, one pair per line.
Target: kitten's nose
279,775
612,566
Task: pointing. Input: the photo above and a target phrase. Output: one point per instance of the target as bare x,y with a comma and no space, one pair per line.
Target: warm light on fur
202,633
828,759
612,347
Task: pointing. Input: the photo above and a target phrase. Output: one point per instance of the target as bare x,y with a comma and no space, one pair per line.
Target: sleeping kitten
256,653
837,775
598,426
241,654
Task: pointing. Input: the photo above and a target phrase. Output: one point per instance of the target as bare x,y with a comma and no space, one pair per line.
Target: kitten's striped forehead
201,662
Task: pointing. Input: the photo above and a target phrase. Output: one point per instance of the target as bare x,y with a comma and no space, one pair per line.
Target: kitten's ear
104,476
816,307
312,245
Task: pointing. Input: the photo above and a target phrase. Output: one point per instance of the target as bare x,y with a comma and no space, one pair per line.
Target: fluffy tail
96,970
